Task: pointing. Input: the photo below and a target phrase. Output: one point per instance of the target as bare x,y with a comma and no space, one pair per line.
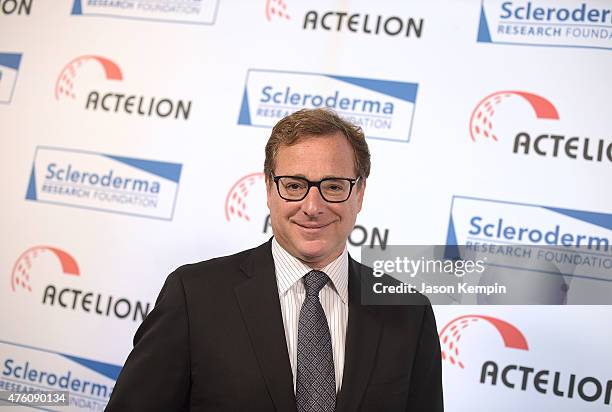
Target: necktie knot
314,282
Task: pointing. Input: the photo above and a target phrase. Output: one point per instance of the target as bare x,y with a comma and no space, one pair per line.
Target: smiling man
281,327
313,225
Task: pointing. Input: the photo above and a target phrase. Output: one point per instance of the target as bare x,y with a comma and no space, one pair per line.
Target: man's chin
312,253
316,253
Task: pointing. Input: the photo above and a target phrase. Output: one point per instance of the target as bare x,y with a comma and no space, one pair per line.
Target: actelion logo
352,21
55,275
451,333
236,199
75,79
20,275
483,116
64,85
484,125
524,379
276,9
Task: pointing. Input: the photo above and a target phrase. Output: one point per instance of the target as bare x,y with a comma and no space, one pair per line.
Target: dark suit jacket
215,342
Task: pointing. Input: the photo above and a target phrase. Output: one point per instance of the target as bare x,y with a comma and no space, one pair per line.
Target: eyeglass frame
316,184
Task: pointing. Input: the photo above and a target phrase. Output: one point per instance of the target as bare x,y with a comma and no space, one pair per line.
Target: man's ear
361,185
268,190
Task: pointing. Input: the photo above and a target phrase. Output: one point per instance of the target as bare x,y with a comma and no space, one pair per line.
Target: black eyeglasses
332,189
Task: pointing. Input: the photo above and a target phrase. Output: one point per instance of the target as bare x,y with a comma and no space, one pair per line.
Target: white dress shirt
333,297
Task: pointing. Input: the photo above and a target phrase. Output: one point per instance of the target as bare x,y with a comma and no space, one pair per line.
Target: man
280,327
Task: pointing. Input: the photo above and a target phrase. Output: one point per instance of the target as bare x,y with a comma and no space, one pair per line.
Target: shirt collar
290,270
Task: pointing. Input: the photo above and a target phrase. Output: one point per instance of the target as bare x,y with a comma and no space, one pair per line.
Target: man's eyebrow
324,177
290,175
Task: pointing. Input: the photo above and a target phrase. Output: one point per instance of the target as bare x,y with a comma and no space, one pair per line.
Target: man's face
312,229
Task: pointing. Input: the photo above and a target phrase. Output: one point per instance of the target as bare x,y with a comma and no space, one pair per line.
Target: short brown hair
316,122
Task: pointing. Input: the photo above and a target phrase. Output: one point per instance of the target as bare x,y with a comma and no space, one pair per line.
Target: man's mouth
313,226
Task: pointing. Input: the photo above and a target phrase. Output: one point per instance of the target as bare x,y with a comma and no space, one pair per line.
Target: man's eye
293,186
334,187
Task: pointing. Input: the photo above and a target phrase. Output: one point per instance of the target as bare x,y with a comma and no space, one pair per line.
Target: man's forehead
314,138
316,157
334,143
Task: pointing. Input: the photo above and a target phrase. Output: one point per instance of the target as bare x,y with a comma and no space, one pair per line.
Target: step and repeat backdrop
132,141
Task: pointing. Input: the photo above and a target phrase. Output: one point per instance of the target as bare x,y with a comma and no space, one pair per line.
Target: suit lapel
260,305
362,338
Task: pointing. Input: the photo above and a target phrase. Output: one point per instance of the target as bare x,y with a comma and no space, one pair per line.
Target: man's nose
313,203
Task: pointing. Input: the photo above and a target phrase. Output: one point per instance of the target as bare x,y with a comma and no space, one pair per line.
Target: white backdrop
166,169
